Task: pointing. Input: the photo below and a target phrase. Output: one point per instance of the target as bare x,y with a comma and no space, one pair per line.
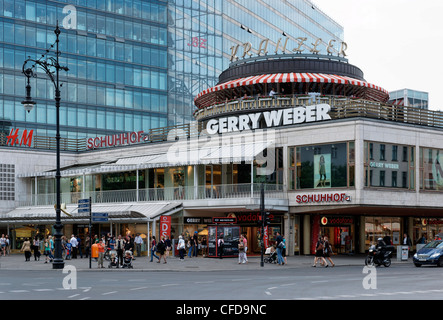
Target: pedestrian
241,250
8,246
129,245
3,244
283,251
79,246
47,250
327,252
68,247
26,248
51,243
319,252
74,245
221,246
153,249
189,246
120,246
279,246
245,240
161,249
36,248
138,244
195,244
101,253
87,245
168,246
181,247
204,245
407,242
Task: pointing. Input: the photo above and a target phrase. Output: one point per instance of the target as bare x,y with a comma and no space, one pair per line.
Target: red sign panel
165,226
14,140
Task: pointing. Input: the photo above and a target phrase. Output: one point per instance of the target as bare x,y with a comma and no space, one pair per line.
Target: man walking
74,244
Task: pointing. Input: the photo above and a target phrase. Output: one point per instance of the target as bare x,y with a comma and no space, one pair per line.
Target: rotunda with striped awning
289,76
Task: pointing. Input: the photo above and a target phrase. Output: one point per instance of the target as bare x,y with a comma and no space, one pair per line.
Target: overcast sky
396,43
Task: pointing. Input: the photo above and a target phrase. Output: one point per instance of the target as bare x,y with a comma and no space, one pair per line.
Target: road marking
170,285
74,295
18,291
140,288
106,293
42,290
268,293
85,298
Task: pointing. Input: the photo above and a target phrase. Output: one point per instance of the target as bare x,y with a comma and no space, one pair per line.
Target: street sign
84,206
100,217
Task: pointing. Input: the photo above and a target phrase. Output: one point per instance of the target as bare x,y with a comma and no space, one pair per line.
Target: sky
398,44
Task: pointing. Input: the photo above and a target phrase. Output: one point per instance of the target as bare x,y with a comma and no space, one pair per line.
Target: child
127,260
68,250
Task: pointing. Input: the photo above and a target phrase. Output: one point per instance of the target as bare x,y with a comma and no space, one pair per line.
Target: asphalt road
399,282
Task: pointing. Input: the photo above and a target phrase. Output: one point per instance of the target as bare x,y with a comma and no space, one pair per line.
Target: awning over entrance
118,212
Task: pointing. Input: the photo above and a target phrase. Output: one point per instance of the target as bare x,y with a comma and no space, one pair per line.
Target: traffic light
267,219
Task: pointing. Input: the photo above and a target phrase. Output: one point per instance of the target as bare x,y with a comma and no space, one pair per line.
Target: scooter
379,256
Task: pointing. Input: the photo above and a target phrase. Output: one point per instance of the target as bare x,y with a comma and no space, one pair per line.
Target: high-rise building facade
410,98
136,64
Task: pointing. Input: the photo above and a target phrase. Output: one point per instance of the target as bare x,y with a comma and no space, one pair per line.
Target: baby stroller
127,260
113,260
272,255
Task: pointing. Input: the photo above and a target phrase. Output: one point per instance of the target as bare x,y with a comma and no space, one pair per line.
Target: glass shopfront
431,172
389,165
322,166
383,227
340,233
427,229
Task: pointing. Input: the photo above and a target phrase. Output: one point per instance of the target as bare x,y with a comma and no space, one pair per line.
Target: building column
306,234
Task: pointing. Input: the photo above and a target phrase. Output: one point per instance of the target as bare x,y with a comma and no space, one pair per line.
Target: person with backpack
279,245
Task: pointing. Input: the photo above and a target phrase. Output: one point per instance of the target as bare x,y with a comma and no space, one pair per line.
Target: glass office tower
410,98
201,34
134,64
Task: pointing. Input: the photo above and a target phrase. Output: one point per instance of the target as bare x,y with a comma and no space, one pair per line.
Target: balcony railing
232,191
342,107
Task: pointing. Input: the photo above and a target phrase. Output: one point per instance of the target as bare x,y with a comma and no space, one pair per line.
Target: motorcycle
379,256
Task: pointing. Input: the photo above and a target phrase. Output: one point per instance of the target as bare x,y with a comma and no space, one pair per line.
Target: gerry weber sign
275,118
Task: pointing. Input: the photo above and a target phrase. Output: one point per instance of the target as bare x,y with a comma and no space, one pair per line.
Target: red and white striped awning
207,97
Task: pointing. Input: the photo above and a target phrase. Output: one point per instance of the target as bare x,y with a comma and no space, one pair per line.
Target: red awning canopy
208,97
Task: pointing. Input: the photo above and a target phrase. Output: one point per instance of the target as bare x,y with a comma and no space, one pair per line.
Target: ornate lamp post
52,68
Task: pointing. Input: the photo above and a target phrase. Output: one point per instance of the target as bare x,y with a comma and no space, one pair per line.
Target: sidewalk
17,262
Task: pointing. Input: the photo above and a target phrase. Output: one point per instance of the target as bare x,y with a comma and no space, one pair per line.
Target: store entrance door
340,232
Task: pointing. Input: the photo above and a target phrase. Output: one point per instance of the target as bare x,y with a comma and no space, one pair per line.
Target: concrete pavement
17,262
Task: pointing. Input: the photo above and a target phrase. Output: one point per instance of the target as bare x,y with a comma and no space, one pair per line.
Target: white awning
142,211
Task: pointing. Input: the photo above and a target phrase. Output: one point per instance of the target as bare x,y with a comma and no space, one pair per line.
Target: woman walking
327,252
319,252
26,248
36,247
47,251
154,249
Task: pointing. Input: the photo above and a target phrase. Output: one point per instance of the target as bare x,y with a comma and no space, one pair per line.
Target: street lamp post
49,65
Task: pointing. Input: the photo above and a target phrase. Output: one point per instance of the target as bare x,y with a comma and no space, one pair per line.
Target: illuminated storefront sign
318,198
275,118
116,140
300,47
